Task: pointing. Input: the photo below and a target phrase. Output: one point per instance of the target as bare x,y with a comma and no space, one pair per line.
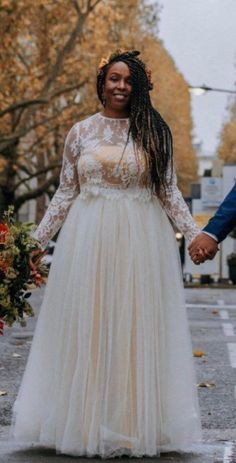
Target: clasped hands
202,247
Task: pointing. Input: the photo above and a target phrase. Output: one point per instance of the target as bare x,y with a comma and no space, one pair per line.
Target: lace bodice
95,163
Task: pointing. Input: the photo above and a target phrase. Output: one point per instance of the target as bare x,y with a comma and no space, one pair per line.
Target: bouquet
21,269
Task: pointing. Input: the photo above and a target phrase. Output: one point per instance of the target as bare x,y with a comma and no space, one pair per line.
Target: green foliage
17,274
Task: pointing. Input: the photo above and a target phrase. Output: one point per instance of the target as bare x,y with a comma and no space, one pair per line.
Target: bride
110,371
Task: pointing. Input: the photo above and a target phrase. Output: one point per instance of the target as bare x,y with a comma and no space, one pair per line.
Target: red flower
4,265
4,230
1,326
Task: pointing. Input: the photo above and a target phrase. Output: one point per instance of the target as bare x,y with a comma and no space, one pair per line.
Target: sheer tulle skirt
110,370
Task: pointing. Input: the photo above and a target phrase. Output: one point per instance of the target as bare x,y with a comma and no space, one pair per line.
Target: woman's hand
202,247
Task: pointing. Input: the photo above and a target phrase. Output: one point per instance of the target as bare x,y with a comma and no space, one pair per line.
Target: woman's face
117,88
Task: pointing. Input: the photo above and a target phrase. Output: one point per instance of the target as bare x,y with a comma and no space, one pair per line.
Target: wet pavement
212,318
209,453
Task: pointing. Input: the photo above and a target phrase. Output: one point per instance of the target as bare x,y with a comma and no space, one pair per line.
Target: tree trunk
6,199
7,180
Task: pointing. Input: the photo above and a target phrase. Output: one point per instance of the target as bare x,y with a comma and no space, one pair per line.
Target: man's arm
224,220
205,245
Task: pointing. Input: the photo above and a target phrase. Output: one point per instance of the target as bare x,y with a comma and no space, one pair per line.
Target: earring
103,100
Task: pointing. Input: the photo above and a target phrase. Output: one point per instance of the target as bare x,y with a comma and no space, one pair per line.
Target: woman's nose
121,84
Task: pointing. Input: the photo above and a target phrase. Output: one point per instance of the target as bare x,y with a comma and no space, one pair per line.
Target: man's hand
202,247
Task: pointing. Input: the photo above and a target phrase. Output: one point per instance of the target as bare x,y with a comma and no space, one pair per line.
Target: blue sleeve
224,220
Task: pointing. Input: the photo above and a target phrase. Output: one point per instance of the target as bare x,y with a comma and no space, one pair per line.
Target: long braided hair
147,128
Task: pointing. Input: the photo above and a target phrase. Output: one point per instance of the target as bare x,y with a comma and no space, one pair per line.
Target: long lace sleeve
68,189
177,209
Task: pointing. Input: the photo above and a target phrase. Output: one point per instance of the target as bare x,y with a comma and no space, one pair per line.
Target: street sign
211,191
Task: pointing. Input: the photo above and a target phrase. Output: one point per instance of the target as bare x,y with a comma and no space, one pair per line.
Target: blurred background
49,53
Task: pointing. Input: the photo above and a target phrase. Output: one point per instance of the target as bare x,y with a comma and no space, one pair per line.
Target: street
212,318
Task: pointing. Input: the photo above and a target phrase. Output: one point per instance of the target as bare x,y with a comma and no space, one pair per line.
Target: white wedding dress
110,370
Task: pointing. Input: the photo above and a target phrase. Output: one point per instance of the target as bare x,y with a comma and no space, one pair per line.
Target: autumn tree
38,41
227,146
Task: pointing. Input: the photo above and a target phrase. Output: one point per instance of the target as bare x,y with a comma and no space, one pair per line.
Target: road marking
224,314
228,329
232,353
211,306
228,452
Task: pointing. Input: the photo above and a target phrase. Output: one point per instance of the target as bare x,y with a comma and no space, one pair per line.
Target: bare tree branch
77,7
23,60
23,104
14,136
92,6
23,168
39,101
34,193
39,140
69,45
10,139
37,174
67,89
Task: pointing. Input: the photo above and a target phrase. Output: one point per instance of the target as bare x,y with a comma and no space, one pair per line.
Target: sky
200,35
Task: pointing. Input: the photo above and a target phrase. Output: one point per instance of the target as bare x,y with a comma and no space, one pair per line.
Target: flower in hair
106,60
149,76
103,62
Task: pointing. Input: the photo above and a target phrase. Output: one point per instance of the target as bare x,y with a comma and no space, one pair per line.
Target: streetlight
200,90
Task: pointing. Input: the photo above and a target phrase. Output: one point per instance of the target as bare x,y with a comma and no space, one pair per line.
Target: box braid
147,128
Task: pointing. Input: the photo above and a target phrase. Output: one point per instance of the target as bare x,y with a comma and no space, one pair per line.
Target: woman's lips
120,97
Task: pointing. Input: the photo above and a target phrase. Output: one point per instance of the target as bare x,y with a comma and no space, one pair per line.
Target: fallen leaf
206,385
16,355
215,312
198,353
3,393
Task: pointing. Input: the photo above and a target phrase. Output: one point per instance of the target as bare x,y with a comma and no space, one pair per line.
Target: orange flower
38,279
149,76
103,62
4,230
4,265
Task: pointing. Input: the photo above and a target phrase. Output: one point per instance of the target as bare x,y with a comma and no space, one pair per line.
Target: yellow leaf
198,353
206,385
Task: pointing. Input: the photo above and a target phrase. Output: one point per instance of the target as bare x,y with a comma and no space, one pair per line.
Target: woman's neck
108,112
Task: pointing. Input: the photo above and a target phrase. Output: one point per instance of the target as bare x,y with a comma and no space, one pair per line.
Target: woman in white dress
110,371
